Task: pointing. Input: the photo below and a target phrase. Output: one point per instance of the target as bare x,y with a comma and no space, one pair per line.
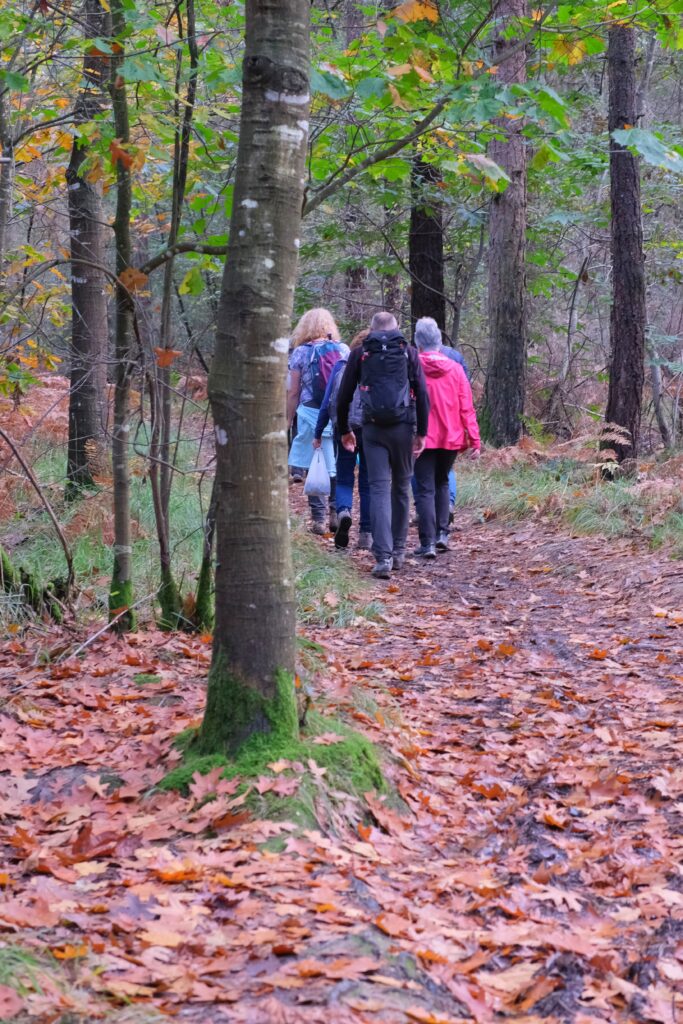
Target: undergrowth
569,492
329,592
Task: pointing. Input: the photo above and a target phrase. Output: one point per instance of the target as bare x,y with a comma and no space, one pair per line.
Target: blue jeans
346,468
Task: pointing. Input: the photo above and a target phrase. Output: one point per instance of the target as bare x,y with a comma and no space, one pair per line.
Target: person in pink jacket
452,429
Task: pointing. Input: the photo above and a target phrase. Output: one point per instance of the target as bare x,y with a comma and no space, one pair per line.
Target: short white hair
383,321
427,333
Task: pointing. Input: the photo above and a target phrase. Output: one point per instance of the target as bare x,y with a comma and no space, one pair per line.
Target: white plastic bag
318,479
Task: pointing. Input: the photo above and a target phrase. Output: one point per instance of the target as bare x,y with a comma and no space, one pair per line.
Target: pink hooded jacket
452,419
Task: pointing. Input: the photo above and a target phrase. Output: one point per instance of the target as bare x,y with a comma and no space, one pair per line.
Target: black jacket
419,407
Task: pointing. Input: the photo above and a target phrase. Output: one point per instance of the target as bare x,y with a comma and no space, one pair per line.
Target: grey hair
427,334
383,322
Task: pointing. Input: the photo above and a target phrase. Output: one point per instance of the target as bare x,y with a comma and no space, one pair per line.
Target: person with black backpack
315,350
395,412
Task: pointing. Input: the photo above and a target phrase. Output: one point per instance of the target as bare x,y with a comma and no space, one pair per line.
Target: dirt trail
528,685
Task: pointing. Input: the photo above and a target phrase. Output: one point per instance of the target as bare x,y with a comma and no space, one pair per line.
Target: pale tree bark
89,329
121,592
251,679
505,378
6,173
628,315
425,245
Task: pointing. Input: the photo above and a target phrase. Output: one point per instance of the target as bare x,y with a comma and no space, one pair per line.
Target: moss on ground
352,766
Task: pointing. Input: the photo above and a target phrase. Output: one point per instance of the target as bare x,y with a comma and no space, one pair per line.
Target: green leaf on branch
15,81
329,84
650,148
192,283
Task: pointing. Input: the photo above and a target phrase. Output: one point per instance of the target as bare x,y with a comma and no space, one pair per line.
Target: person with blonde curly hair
316,348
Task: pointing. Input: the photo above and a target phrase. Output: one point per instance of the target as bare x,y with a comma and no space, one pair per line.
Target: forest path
528,685
538,681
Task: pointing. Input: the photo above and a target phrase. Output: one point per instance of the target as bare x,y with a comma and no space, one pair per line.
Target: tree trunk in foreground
89,333
505,379
251,687
425,247
121,592
628,315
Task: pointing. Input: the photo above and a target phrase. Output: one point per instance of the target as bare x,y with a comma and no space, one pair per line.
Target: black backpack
384,384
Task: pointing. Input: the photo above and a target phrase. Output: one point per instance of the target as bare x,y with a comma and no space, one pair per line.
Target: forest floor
526,690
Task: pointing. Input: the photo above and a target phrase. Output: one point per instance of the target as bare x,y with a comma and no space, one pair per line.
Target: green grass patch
329,590
567,491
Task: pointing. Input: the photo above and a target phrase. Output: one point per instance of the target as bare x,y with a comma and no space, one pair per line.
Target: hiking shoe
399,561
451,514
382,570
425,551
442,541
318,528
341,537
334,522
297,476
364,541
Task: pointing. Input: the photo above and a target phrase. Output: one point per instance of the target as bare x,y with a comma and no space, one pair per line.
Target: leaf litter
527,689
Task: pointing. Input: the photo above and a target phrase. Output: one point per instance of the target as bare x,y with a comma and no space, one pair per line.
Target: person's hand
475,454
317,442
418,445
349,441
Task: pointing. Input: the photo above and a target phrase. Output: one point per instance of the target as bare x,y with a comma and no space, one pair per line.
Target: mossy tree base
120,606
18,581
203,616
236,712
352,767
171,604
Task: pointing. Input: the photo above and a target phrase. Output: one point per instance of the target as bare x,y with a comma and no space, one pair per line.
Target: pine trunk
505,378
251,680
89,329
425,246
628,314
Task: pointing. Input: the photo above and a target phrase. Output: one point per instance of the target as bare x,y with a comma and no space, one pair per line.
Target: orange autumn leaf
166,356
597,654
417,10
133,279
119,155
69,952
392,924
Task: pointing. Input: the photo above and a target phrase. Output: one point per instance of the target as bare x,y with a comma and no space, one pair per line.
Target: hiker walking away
452,428
457,357
346,460
395,411
315,350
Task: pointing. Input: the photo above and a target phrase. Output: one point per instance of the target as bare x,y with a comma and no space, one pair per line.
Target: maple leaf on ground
205,785
326,739
11,1003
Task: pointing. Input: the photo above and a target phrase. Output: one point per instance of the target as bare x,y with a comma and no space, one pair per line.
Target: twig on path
48,508
108,625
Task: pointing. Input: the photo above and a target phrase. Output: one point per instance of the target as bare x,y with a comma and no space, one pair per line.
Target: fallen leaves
530,864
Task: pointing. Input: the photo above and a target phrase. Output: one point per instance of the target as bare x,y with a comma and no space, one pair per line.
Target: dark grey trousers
432,497
321,506
389,458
